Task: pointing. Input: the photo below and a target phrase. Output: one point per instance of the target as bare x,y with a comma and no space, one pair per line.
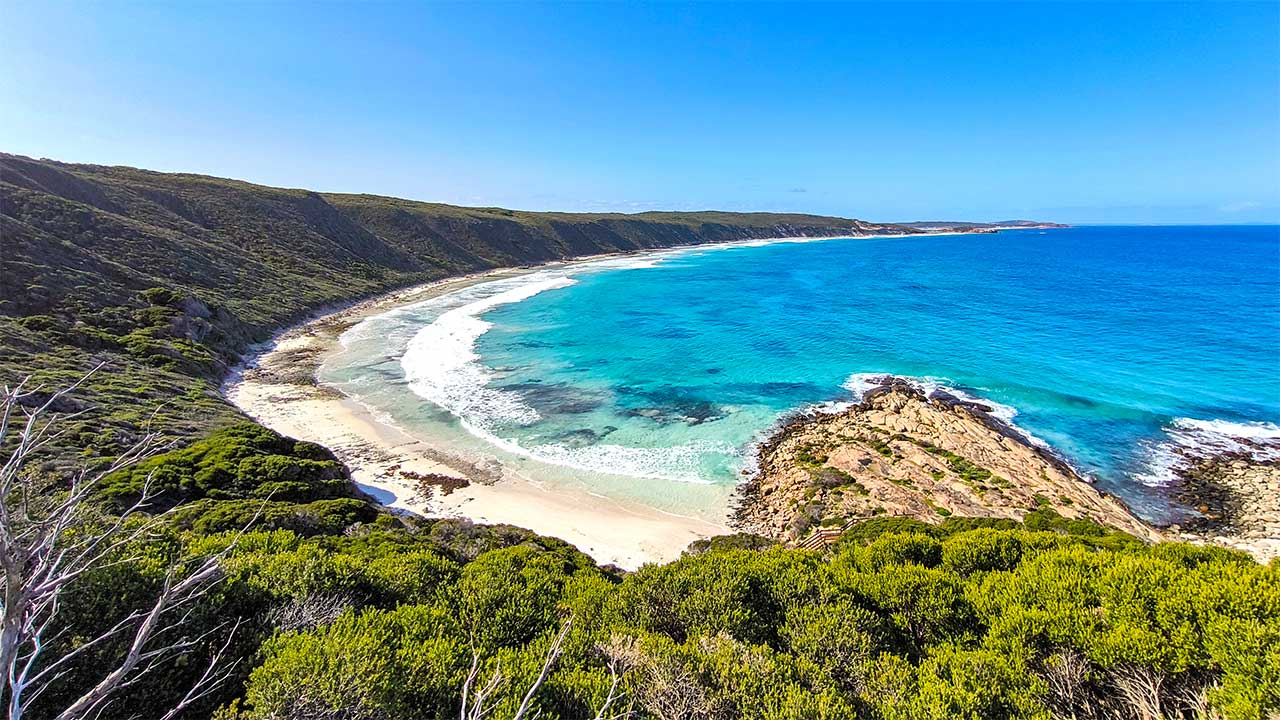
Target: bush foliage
379,620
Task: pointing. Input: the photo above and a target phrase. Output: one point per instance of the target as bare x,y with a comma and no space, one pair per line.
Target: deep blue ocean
1110,344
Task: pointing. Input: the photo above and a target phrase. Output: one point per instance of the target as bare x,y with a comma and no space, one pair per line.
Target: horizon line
1256,223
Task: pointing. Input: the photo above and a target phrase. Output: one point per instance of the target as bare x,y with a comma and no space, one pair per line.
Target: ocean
649,378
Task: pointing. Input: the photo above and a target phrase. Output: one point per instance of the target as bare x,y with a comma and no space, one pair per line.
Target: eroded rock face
902,452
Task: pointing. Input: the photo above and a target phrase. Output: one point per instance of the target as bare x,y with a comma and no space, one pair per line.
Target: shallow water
649,378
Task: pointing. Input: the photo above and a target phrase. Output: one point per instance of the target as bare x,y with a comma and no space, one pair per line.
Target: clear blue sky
1081,113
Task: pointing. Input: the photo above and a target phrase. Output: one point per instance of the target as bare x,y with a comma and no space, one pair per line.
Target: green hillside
167,278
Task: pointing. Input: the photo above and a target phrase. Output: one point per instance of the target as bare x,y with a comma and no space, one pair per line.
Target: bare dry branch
50,536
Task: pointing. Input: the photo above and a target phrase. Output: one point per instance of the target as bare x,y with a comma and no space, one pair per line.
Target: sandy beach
277,387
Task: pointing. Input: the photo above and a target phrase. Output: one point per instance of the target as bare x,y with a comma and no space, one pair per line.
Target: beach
277,387
627,432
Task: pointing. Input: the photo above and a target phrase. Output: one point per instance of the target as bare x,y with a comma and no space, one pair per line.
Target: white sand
279,391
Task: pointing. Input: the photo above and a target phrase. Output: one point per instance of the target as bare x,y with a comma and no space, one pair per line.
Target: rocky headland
905,451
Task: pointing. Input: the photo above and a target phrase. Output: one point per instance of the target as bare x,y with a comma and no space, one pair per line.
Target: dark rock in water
582,437
670,405
950,400
691,413
1078,401
701,412
557,398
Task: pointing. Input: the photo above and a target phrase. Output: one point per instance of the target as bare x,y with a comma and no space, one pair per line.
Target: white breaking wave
678,464
1189,438
860,383
442,366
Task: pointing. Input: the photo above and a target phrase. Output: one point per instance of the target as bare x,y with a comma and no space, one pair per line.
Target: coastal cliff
903,451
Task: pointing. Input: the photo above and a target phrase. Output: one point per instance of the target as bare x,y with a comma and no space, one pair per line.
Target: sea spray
1190,438
442,366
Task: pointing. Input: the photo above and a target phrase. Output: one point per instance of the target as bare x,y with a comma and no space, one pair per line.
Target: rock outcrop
903,451
1234,497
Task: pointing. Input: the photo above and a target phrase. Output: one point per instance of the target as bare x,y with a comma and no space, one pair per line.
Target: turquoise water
645,377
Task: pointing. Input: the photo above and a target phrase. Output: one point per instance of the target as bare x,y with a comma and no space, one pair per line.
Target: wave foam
442,366
860,383
1191,438
678,464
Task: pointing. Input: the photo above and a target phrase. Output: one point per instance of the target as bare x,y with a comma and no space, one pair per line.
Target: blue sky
1079,113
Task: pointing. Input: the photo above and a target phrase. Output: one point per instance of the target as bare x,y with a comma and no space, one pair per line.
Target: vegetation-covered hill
167,277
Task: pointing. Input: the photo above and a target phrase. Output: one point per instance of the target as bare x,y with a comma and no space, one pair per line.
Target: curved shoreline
276,385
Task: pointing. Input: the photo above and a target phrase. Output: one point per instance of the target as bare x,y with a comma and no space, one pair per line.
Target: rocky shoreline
908,452
1232,495
903,451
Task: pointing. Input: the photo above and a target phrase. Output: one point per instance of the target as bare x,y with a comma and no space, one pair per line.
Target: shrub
903,549
244,460
866,531
982,550
322,517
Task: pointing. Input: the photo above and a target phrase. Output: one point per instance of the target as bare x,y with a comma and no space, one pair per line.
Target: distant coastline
979,227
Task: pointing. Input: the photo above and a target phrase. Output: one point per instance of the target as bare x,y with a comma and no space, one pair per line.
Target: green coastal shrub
242,461
982,551
1004,624
322,517
899,548
865,531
